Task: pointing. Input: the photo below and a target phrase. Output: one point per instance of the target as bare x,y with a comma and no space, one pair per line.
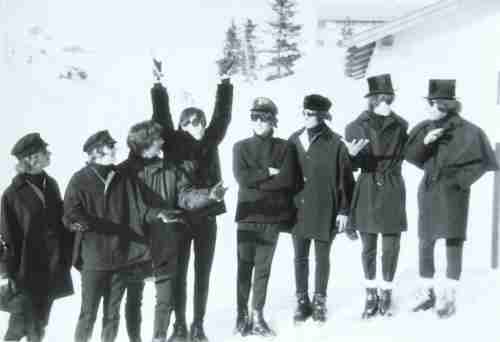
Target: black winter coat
451,165
115,213
326,183
39,254
378,204
171,187
263,198
180,145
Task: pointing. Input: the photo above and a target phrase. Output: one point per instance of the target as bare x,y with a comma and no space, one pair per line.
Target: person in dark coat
38,247
171,184
454,154
323,201
376,140
264,167
196,142
108,209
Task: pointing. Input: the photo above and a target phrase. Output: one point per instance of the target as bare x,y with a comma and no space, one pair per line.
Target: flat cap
265,105
101,138
29,144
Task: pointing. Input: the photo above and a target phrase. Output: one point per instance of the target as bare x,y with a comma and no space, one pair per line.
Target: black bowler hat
101,138
29,144
317,102
441,89
380,84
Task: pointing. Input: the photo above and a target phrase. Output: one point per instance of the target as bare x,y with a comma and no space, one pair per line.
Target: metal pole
496,213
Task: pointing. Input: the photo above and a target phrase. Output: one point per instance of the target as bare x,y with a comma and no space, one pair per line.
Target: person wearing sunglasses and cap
376,140
323,202
264,167
107,208
198,142
454,154
38,247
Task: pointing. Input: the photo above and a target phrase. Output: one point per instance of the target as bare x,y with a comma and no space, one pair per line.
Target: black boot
243,323
319,313
426,300
304,308
259,325
197,334
371,303
385,302
179,334
446,305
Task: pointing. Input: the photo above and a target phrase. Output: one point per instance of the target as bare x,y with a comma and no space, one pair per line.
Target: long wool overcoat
326,183
451,165
378,204
39,254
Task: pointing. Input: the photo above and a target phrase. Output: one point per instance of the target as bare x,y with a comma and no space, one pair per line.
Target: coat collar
20,180
365,116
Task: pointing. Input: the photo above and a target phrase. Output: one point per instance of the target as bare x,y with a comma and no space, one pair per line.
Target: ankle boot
319,313
371,303
304,308
385,302
260,326
180,333
243,323
425,300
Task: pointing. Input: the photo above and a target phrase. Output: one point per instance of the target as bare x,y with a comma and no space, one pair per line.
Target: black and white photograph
234,170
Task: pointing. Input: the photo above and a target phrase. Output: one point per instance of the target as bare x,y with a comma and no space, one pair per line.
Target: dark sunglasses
193,122
264,117
309,113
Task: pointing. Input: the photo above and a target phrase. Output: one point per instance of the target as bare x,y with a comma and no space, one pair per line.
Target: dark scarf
36,179
378,120
314,131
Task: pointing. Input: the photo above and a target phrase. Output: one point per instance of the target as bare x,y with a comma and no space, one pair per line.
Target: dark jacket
115,215
378,204
451,165
180,145
39,254
326,183
263,198
171,186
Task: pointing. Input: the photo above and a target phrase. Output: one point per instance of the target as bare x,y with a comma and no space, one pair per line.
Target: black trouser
390,255
133,279
203,235
164,306
32,319
108,285
454,249
256,247
322,252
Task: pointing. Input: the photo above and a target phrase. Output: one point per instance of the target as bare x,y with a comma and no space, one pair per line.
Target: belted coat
378,204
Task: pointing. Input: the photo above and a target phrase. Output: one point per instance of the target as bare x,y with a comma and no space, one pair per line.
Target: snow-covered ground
116,95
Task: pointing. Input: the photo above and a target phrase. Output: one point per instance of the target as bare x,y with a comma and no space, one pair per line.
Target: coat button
305,179
302,201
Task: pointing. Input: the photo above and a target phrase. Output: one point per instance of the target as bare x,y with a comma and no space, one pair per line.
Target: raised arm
416,152
222,114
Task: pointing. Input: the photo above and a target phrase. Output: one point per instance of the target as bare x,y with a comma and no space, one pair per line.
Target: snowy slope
116,95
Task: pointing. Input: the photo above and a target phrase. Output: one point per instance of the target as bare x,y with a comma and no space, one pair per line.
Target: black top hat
101,138
317,102
29,144
380,84
441,89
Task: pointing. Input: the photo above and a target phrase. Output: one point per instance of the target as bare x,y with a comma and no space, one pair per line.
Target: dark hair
448,106
376,99
188,113
141,136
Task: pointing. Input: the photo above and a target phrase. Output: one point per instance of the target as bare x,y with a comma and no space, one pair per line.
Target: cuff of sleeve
152,214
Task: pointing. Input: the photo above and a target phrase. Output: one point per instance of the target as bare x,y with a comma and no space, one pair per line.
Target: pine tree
285,51
250,60
233,49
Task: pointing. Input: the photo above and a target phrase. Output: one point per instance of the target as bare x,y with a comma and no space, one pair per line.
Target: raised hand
226,64
157,69
433,135
218,191
354,146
